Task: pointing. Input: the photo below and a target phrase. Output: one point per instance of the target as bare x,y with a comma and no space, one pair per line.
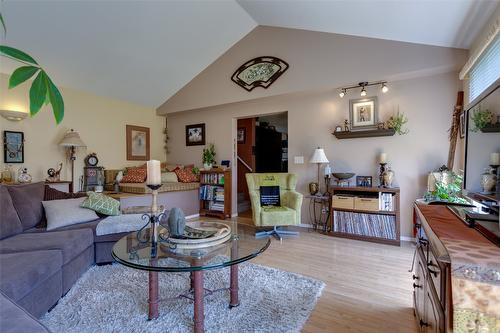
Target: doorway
262,147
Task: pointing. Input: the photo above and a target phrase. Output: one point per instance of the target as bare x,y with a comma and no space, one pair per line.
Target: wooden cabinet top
365,189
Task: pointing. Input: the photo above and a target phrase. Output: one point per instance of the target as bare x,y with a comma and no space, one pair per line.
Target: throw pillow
270,196
102,204
61,213
10,224
135,175
186,175
169,177
27,199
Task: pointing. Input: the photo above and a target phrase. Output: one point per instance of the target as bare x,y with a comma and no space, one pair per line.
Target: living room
145,134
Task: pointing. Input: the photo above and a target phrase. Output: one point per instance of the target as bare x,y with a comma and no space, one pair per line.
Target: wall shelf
364,134
491,129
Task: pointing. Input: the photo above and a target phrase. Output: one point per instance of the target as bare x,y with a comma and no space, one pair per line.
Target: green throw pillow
102,204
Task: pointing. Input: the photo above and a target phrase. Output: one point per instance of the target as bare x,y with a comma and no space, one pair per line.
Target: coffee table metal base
196,285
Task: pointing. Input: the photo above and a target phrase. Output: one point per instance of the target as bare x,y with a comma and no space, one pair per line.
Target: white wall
428,102
100,122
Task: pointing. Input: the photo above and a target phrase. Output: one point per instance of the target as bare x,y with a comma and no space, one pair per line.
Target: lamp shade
72,139
319,156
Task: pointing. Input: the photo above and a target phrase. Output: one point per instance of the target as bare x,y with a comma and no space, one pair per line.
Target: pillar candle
382,158
154,173
495,159
328,170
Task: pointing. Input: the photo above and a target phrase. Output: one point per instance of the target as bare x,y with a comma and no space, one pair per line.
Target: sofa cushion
135,175
70,242
65,212
102,203
14,319
21,272
54,194
27,199
169,177
186,175
10,224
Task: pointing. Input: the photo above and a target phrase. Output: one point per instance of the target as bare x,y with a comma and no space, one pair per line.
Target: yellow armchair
291,202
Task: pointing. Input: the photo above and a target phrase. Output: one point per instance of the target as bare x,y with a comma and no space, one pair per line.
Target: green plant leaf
3,24
16,54
22,74
38,92
56,100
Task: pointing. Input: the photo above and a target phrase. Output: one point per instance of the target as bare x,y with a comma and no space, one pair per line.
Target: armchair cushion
271,216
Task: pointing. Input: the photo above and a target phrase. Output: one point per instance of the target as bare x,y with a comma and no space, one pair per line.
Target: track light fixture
363,85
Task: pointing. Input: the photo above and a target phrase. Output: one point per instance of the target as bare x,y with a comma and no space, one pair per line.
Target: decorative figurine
24,176
346,126
176,222
387,177
488,181
54,175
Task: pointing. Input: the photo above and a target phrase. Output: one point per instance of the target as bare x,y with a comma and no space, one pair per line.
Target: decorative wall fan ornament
259,72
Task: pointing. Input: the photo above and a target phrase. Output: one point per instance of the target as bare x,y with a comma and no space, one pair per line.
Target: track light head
363,92
384,88
342,93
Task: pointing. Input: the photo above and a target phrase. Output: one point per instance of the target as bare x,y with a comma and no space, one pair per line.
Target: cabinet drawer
370,204
339,201
436,276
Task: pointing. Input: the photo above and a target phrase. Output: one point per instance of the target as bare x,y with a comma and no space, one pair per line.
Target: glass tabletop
242,245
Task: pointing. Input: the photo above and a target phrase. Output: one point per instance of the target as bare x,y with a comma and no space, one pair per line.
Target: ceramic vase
488,182
176,222
24,176
207,166
388,177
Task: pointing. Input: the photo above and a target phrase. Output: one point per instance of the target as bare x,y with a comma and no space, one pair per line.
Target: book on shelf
385,202
213,178
372,225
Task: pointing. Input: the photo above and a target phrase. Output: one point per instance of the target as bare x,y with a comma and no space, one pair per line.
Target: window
486,70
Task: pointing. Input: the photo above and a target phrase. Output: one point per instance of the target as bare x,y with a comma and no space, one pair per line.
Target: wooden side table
319,211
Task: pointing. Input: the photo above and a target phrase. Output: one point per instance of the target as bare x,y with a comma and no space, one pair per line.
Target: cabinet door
419,279
434,317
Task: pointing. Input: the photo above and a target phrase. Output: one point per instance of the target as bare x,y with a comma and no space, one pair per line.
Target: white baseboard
192,216
234,215
408,239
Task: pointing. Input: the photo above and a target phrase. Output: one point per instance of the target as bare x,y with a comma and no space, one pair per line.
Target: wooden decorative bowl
223,233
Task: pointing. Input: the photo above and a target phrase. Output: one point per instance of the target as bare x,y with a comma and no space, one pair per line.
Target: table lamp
318,157
72,140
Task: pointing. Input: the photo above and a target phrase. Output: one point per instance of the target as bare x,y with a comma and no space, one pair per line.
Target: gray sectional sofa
37,267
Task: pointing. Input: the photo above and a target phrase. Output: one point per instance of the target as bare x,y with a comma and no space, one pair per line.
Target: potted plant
446,188
480,119
397,122
208,157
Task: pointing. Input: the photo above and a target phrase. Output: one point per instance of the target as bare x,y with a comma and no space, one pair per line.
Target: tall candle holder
381,175
153,220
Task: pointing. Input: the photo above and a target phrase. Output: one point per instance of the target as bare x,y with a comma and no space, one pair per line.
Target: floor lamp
318,157
71,140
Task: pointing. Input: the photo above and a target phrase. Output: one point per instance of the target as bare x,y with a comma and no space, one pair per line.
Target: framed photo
195,135
462,125
138,143
13,147
364,181
363,113
241,135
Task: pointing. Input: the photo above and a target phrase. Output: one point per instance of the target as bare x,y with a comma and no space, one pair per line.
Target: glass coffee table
240,247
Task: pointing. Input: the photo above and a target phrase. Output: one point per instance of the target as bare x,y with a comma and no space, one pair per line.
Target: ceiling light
363,92
342,93
13,115
384,88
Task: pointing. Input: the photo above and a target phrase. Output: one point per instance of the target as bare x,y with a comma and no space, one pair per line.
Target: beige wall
317,61
428,102
100,122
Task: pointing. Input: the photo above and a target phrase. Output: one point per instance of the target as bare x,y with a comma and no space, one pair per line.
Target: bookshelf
366,213
215,193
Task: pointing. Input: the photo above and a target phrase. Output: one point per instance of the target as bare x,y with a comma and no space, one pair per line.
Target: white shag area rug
113,298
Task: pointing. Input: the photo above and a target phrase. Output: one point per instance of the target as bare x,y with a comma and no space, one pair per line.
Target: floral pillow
135,175
186,175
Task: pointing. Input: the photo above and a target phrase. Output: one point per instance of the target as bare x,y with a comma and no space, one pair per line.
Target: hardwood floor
368,286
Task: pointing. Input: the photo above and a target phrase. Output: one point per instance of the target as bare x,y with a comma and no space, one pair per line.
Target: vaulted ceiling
145,51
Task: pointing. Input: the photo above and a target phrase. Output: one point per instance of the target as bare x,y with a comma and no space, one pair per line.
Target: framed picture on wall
195,135
363,113
13,147
241,135
138,143
462,125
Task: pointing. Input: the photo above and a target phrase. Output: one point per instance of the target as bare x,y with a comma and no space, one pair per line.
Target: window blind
486,70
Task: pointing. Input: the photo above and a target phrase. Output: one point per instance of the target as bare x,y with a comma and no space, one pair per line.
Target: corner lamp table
240,247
